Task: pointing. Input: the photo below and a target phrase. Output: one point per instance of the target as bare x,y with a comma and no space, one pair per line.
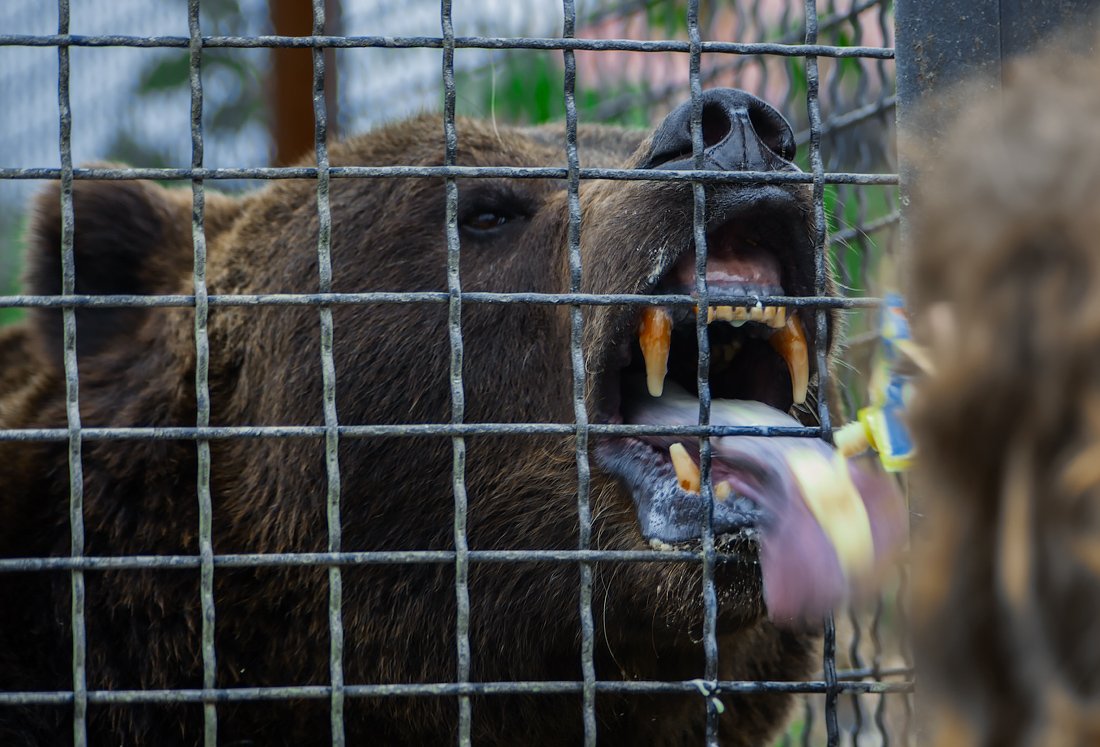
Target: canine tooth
687,471
655,339
790,342
712,313
723,490
779,321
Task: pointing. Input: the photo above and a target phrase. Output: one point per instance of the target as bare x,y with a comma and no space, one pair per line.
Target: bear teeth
789,340
655,339
687,471
688,475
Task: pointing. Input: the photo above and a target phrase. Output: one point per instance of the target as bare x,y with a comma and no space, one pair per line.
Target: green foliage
237,102
528,88
793,734
166,75
670,17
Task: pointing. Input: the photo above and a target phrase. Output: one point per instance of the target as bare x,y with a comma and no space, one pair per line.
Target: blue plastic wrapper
881,425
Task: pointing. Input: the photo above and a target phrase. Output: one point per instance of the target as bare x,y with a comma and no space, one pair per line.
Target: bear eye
486,220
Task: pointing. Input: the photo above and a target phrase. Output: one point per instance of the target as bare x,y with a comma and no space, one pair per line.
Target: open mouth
820,521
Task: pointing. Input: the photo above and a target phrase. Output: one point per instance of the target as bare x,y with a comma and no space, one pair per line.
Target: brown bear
1006,276
137,367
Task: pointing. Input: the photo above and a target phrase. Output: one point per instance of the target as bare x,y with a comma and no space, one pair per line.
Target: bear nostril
773,131
716,124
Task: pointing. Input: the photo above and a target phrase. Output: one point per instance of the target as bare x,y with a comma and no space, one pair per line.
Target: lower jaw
668,515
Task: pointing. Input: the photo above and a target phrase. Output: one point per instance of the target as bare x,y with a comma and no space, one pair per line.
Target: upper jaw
771,216
758,245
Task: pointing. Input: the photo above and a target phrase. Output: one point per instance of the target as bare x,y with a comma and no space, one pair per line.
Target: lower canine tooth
655,339
790,342
723,490
687,471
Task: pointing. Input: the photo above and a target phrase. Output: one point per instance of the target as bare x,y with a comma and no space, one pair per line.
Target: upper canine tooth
655,339
687,471
790,342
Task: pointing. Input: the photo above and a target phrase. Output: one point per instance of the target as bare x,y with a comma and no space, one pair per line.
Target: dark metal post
940,43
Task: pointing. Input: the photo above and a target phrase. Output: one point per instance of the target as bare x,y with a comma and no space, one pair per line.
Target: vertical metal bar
855,660
328,374
202,387
903,632
821,283
710,597
72,387
458,398
580,413
808,713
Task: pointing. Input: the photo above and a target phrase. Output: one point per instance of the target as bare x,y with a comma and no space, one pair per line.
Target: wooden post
291,80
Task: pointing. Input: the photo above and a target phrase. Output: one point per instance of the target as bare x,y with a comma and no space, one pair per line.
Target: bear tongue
830,523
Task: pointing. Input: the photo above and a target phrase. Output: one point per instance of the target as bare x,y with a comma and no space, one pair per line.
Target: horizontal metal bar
434,42
324,559
226,432
873,672
418,297
444,689
471,172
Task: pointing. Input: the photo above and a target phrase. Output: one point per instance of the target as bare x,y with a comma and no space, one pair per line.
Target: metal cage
840,181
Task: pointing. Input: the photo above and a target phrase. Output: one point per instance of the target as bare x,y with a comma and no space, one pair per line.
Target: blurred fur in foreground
1006,261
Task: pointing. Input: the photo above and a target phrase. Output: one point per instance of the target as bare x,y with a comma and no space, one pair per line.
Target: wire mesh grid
855,681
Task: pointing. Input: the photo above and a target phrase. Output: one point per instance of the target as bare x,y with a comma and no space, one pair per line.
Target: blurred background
132,105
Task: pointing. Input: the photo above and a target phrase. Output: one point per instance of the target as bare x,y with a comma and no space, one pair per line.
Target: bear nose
740,133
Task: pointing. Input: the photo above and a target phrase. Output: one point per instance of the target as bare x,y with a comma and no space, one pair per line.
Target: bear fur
392,362
1006,260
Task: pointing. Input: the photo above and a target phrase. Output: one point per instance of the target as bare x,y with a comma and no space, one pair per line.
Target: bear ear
129,237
